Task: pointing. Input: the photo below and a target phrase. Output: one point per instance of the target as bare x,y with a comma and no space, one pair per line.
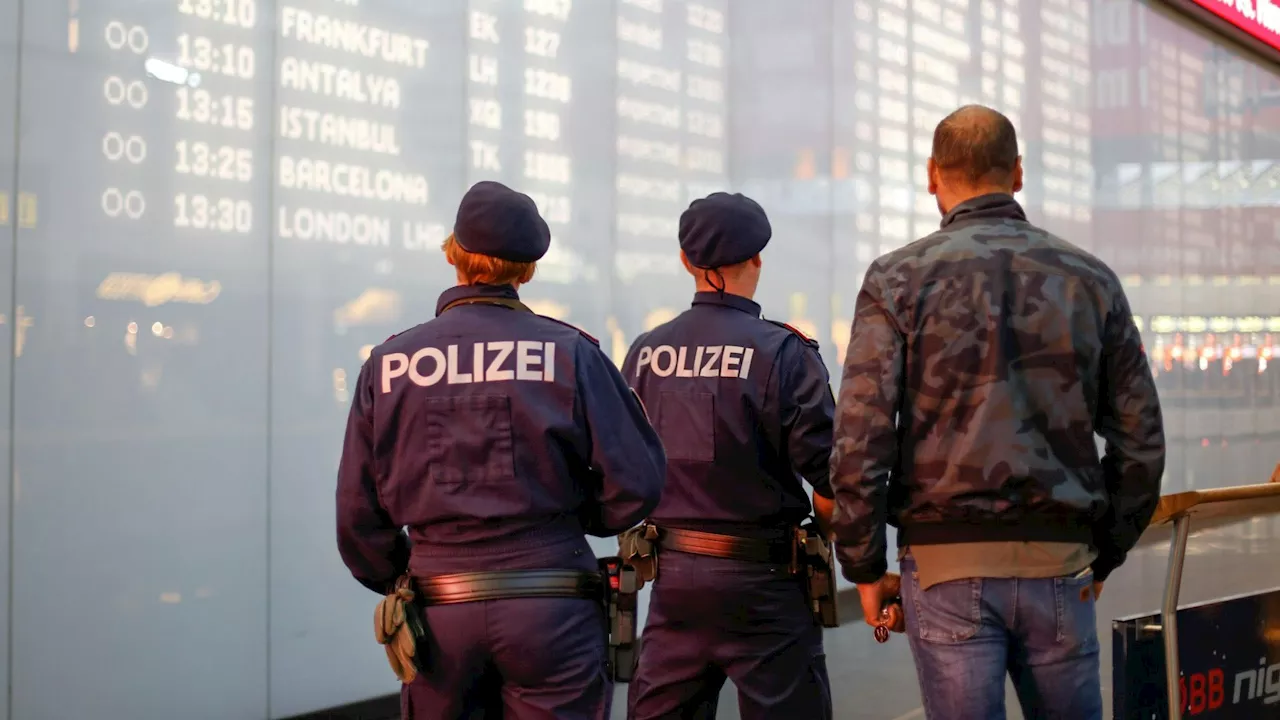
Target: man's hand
1095,588
874,598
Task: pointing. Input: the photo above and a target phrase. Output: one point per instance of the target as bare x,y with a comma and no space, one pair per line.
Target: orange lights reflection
550,308
156,290
374,306
340,393
617,341
24,323
658,316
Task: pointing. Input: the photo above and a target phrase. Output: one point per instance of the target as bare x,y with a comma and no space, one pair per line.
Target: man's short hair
978,144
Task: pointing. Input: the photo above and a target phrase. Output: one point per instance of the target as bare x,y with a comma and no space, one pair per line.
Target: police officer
744,410
498,437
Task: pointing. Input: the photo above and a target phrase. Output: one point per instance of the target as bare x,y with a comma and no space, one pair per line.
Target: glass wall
211,210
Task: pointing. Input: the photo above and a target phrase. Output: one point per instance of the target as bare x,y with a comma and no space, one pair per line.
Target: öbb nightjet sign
1259,19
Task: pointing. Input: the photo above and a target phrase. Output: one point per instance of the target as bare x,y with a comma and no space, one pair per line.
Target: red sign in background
1249,16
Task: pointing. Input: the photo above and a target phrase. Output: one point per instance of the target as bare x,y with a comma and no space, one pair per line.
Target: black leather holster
622,590
813,562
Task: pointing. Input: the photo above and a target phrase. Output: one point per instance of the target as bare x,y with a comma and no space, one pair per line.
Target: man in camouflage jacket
982,361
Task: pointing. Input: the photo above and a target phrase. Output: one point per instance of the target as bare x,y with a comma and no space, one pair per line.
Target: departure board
367,167
671,133
536,69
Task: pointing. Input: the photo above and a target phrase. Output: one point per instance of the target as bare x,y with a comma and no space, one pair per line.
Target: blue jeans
966,634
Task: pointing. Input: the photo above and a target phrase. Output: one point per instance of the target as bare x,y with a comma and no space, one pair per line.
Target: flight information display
144,204
536,70
313,152
671,126
367,166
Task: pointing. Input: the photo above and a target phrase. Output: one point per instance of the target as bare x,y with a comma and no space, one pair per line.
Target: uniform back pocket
686,424
471,455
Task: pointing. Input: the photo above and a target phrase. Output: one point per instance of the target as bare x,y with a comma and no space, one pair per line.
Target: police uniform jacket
489,427
744,409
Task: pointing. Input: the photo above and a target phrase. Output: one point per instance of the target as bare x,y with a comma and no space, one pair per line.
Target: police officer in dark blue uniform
744,409
497,437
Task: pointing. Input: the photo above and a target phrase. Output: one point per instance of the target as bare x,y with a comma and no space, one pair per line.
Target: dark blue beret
723,229
497,221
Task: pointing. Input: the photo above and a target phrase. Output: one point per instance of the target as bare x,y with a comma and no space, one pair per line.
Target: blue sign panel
1230,660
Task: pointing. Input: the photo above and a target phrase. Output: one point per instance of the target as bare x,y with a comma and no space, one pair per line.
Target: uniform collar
737,302
985,207
460,292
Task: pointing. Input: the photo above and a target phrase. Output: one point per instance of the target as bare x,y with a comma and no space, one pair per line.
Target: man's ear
1017,174
756,261
933,177
688,266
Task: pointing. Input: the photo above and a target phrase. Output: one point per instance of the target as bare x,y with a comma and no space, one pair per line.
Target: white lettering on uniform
709,370
534,362
730,361
426,380
657,360
495,373
527,361
643,358
729,368
389,371
455,377
681,369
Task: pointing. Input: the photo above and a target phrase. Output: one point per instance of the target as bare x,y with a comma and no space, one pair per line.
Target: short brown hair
978,144
486,269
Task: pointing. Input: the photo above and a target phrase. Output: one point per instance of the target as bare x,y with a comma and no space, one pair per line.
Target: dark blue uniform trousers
517,659
712,618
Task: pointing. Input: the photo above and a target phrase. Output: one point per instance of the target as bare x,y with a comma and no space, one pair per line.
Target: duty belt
730,547
507,584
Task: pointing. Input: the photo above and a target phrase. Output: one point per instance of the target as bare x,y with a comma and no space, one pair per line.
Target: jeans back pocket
946,613
1077,614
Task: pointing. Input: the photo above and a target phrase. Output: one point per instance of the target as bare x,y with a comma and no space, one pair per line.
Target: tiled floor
877,682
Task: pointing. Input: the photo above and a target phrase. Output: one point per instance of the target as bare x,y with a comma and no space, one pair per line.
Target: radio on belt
621,592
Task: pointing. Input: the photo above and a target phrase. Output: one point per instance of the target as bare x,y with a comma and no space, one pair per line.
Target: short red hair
486,269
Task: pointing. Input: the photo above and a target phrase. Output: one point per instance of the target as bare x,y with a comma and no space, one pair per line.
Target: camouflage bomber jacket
982,361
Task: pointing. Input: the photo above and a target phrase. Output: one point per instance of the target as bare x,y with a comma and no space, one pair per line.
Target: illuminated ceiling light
133,328
157,328
90,322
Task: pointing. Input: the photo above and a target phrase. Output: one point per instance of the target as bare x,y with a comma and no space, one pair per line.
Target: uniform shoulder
794,331
664,332
395,338
570,326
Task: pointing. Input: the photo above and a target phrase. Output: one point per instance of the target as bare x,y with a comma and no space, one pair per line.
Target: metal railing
1210,508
